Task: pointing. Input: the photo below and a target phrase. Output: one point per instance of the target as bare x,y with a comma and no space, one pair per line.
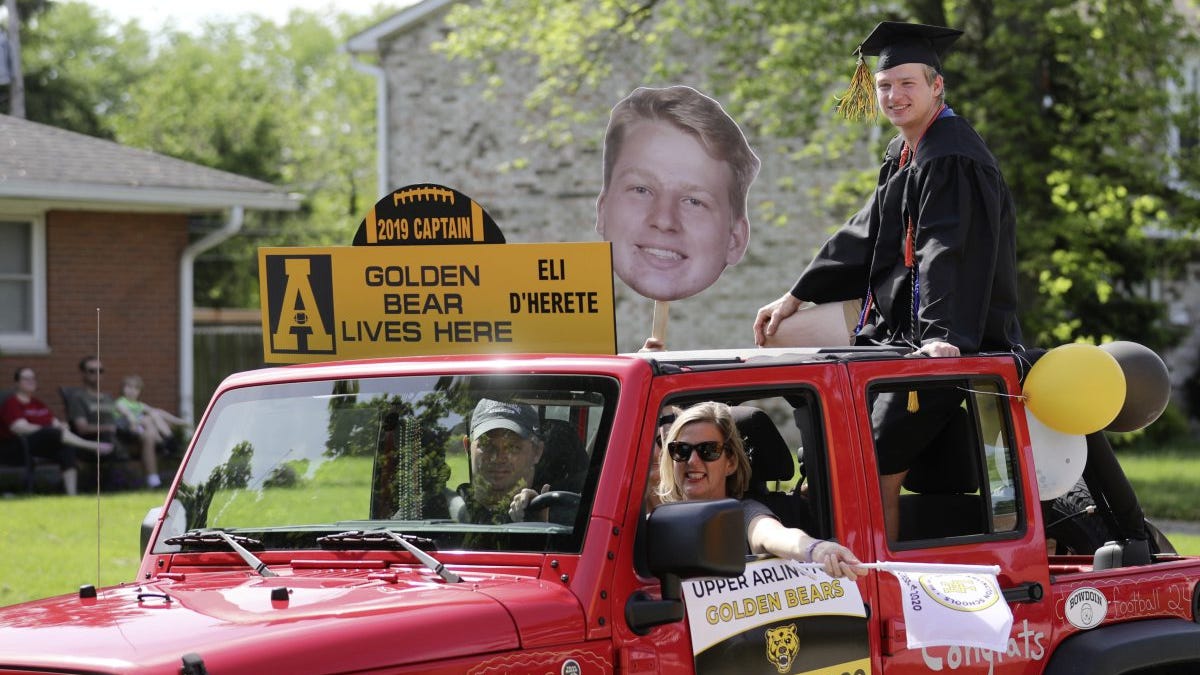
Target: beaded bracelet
813,547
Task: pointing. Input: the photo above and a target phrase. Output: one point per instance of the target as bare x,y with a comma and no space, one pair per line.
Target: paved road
1170,527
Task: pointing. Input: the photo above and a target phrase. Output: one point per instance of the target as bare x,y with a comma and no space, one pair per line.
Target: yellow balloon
1075,389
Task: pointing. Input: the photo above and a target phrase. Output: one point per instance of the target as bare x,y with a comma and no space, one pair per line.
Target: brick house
96,256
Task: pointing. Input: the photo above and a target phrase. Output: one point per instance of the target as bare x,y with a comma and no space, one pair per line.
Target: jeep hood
335,621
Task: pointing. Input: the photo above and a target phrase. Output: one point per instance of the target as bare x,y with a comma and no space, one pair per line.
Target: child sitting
145,420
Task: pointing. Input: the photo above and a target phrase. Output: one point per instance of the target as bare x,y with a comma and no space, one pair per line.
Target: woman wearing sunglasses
705,459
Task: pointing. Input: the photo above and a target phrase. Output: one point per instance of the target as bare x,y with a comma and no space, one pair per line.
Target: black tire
1075,531
1172,669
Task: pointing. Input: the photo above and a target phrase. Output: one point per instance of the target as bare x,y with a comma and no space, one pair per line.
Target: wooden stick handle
658,327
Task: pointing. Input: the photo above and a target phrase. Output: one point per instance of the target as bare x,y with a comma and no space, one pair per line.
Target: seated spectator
93,414
705,459
141,419
504,447
24,417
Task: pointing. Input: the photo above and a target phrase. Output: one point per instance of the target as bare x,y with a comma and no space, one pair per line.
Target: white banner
963,609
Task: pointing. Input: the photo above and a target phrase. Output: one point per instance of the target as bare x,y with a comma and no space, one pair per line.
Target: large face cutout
668,214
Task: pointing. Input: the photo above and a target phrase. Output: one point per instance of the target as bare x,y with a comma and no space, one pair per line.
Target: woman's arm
22,427
767,535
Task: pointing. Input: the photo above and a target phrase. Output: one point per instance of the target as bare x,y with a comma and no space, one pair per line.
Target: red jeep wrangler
316,526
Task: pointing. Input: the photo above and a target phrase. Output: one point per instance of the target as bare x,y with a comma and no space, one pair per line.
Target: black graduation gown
965,248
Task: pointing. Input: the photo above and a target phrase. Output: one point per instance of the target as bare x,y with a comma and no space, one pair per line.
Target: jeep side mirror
174,525
685,540
148,526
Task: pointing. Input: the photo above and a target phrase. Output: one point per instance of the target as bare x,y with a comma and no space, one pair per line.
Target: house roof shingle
40,162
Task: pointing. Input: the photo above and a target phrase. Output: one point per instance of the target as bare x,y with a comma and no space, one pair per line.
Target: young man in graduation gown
932,253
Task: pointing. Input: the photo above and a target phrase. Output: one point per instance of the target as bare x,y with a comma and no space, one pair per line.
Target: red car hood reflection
332,621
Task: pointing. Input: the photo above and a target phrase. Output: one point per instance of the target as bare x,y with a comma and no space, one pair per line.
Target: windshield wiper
376,538
387,536
209,539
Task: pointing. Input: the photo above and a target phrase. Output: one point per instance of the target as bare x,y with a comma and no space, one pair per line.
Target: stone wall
441,131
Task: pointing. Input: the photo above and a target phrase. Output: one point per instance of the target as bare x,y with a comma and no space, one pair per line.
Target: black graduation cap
898,43
895,43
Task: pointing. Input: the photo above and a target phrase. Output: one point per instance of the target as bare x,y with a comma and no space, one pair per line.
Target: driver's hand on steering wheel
520,502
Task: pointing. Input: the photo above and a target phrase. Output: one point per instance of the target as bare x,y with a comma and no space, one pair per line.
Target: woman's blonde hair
720,416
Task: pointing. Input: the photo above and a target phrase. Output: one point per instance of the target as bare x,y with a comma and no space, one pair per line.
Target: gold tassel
859,100
913,404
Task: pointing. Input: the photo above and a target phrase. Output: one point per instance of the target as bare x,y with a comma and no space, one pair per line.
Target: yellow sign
426,214
359,302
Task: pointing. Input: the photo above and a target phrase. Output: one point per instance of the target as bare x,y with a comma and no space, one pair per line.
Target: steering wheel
554,498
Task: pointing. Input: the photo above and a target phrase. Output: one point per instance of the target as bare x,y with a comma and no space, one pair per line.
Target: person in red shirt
24,416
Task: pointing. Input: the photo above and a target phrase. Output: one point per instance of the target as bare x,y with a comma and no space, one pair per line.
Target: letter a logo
300,302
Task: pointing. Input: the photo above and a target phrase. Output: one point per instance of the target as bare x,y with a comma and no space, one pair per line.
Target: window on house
22,285
1184,138
1189,128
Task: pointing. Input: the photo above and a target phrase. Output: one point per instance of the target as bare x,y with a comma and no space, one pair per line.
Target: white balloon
1058,458
998,452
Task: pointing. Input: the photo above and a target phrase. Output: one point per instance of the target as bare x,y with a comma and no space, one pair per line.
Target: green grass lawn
343,494
50,542
50,545
1165,481
1187,544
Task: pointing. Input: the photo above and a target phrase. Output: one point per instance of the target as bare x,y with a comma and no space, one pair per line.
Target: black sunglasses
709,451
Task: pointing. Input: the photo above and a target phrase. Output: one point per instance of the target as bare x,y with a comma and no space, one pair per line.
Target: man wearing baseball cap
504,445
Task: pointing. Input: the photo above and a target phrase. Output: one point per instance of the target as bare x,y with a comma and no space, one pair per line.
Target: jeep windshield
443,458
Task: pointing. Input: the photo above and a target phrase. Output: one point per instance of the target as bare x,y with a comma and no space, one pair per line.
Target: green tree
233,474
77,66
275,102
408,437
211,100
1073,98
